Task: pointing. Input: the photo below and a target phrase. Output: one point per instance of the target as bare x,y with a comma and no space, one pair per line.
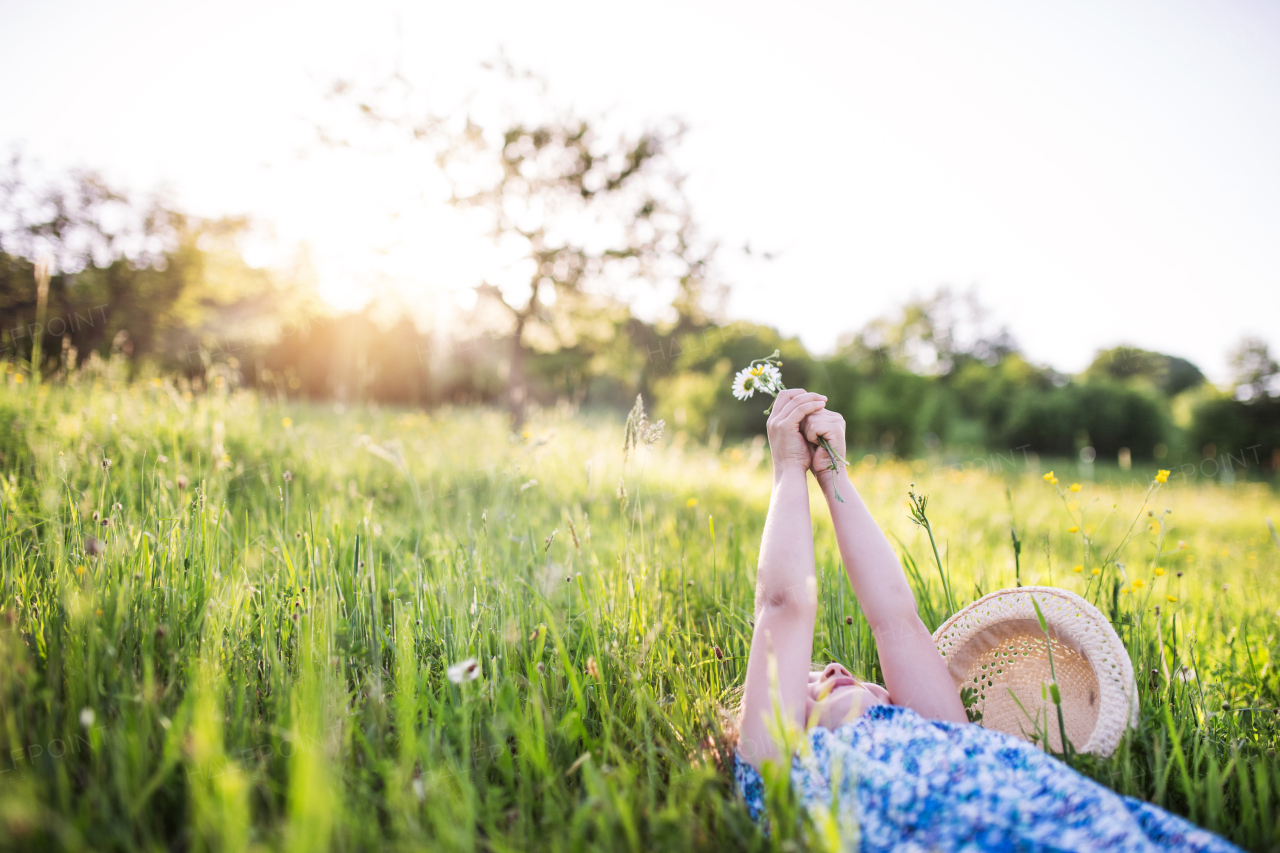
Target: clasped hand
797,424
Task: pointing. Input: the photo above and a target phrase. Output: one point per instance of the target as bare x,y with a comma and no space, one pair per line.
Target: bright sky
1102,171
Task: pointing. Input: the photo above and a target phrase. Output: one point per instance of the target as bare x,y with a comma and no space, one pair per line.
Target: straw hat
995,646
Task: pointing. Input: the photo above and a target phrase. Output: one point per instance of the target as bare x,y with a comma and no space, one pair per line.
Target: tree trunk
517,385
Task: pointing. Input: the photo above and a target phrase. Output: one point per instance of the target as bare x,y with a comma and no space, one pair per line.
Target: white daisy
744,384
467,670
770,379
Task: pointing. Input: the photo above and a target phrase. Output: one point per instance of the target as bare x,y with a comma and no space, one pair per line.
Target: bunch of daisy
764,376
760,375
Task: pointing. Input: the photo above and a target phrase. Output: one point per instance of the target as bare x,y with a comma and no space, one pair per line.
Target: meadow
231,621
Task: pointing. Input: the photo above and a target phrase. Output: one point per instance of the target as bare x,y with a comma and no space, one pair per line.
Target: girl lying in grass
896,767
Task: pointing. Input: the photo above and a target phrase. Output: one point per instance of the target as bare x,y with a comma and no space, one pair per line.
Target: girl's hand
786,442
829,425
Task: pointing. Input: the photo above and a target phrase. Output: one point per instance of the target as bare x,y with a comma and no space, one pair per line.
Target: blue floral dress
892,780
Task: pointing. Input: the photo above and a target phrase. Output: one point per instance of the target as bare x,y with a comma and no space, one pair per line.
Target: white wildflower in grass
87,717
764,376
467,670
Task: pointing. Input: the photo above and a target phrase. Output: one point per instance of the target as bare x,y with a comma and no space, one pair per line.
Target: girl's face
838,697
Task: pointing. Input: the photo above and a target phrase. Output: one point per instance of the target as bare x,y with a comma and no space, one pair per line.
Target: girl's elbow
800,600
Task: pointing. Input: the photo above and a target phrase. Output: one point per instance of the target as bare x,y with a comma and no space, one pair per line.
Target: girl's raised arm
786,589
914,672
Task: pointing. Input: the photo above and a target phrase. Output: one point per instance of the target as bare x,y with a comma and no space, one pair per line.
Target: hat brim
996,648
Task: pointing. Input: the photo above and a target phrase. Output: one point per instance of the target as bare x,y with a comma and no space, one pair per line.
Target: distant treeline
170,293
907,385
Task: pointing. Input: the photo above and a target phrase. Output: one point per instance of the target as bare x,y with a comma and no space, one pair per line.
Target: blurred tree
586,220
982,397
934,335
1167,373
1104,414
1247,431
94,240
76,219
136,274
1253,368
1242,426
355,358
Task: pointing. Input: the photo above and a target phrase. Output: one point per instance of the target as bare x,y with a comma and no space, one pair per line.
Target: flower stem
832,456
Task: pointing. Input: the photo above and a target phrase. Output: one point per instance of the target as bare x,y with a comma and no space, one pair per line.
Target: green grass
257,662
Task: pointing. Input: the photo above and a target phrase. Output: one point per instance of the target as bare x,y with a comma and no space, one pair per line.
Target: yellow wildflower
1096,572
1162,476
692,502
1078,569
1138,583
1050,479
1171,598
1073,529
1075,487
286,422
1124,590
1159,571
